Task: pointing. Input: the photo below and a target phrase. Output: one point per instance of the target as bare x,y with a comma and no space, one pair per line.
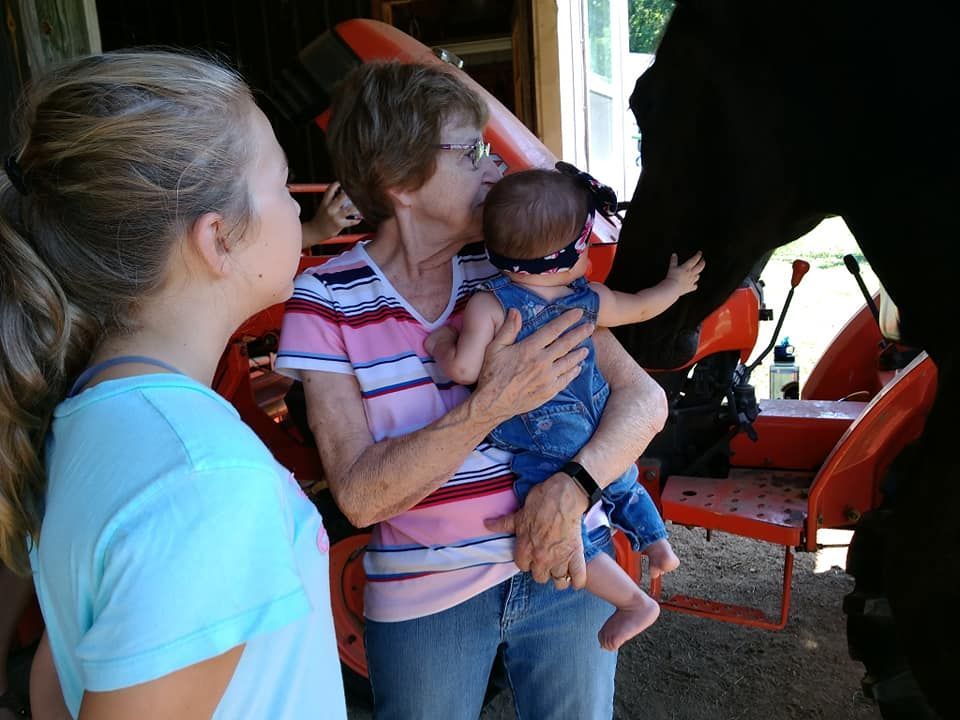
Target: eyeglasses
477,150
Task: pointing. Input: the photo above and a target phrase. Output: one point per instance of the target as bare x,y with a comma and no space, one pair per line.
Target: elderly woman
403,447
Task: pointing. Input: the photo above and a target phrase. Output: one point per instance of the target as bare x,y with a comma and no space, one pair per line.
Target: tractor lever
854,267
800,268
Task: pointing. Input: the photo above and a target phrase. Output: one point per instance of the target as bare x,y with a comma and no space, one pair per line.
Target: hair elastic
15,174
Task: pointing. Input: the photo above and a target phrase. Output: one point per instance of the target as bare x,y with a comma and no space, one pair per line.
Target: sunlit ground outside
826,299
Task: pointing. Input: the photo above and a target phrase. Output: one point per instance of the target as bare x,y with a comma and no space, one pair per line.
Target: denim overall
543,440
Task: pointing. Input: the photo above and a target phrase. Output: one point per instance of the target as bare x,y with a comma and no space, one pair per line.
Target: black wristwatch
585,480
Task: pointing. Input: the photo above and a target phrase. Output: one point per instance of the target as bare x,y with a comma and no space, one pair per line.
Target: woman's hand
518,377
547,527
335,213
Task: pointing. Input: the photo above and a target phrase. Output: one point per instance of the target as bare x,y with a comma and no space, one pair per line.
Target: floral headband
599,198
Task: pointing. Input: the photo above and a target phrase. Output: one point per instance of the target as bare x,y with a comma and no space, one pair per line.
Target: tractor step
712,609
768,505
727,612
765,505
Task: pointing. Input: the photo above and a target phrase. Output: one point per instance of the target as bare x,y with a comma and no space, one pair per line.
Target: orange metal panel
794,434
849,364
737,614
848,484
732,326
347,580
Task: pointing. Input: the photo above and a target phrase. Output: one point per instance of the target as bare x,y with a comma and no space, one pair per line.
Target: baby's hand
335,213
445,336
686,276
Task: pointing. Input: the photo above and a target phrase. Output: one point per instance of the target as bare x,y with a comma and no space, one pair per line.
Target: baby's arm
461,357
620,308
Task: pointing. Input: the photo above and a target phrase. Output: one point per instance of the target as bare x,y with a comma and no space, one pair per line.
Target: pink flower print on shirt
323,540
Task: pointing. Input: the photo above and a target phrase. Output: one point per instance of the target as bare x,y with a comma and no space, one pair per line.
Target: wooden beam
58,30
546,72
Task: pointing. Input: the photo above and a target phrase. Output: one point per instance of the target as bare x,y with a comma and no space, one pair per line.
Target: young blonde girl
181,573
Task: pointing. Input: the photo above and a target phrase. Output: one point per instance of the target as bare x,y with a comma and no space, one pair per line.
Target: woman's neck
417,265
407,250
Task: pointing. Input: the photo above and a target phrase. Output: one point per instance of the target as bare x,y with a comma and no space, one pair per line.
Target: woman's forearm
389,477
372,481
634,414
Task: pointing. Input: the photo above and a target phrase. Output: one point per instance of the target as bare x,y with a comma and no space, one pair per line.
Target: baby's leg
636,611
662,558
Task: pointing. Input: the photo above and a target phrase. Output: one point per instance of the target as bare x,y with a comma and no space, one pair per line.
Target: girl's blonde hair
118,155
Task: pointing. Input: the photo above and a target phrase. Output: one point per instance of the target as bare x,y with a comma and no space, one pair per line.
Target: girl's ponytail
43,340
119,155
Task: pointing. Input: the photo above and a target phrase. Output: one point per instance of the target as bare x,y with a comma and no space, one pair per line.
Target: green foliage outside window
647,19
598,31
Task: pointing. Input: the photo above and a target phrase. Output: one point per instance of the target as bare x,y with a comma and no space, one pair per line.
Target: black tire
871,629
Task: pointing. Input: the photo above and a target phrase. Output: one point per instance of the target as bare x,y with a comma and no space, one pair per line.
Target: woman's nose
491,172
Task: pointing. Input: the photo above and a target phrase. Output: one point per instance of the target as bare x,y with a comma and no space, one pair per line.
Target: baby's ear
207,239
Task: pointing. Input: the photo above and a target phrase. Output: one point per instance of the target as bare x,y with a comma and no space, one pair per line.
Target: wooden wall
259,37
38,33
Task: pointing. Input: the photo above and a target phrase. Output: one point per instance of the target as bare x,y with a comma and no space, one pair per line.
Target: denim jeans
438,666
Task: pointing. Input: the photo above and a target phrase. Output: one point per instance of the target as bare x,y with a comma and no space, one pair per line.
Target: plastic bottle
784,373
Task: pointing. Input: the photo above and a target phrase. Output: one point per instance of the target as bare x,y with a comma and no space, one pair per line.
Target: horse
759,119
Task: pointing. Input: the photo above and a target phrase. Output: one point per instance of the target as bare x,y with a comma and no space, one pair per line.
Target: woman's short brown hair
385,121
531,213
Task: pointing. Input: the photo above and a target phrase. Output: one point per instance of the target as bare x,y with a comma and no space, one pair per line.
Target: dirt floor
688,668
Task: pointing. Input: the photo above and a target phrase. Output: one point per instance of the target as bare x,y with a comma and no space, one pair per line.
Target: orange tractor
776,471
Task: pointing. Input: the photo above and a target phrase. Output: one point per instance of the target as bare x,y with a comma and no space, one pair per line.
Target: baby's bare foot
628,622
662,558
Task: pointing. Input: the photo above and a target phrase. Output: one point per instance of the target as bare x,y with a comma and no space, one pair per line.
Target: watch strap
585,480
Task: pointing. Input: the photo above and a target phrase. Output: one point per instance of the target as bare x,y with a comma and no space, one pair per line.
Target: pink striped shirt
346,317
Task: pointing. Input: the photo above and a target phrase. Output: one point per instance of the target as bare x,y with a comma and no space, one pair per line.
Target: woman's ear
207,239
400,198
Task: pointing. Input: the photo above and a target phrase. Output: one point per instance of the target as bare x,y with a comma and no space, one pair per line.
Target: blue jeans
438,666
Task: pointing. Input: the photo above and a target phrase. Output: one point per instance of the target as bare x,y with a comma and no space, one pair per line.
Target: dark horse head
760,118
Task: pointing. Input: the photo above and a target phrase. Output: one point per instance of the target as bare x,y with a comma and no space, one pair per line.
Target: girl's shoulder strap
91,372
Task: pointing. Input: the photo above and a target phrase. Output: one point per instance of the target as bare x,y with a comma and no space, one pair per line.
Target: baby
537,226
